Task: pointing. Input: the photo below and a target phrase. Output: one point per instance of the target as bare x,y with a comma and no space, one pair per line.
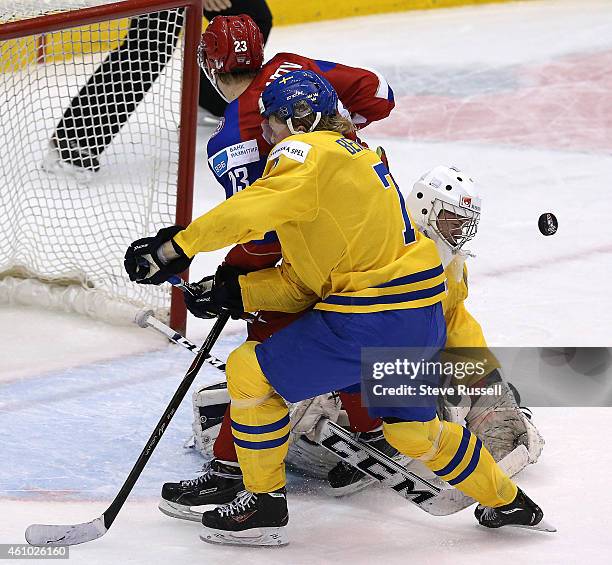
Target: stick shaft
179,339
111,512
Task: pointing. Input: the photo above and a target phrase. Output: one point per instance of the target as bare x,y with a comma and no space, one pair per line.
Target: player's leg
314,355
448,449
458,457
221,479
496,420
115,89
260,426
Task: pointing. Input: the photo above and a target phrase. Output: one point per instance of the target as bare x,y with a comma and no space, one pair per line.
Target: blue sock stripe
471,466
461,451
274,426
261,444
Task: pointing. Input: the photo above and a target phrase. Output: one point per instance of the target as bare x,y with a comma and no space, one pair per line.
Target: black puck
548,224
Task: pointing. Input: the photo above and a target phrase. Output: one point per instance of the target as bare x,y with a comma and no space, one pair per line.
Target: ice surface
518,94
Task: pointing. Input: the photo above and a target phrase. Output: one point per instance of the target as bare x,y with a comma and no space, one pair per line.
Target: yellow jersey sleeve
465,339
277,289
284,193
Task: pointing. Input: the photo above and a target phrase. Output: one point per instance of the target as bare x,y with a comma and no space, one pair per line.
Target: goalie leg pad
309,458
209,406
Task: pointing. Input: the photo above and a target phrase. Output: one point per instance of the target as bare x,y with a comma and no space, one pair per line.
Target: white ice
517,94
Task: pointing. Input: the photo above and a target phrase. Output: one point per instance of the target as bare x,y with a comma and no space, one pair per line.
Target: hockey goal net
98,102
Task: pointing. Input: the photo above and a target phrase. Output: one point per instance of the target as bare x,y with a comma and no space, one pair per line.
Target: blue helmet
281,96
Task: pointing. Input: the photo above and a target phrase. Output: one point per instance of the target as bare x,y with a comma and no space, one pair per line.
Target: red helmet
231,43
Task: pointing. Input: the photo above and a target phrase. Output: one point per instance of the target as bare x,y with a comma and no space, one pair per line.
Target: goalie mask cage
98,110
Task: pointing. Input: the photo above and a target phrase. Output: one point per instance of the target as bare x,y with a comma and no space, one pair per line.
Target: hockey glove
217,293
147,263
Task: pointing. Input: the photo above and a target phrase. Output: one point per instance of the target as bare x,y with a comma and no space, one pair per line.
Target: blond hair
337,122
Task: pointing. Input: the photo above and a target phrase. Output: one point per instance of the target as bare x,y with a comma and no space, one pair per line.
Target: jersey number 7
387,181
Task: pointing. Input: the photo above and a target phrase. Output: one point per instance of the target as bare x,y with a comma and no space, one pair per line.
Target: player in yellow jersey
445,206
349,249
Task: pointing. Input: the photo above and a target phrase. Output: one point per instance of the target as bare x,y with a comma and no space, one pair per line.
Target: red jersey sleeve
363,92
254,255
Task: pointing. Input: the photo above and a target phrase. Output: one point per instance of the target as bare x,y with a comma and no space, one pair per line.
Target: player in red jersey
231,54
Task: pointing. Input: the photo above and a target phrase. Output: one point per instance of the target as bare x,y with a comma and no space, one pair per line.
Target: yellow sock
456,455
260,422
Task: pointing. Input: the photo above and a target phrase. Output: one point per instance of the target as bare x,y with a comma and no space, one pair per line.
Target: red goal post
91,197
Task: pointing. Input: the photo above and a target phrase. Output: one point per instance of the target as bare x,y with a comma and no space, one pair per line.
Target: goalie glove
501,424
153,260
216,293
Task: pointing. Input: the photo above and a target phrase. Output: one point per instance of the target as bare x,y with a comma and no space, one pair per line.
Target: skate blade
180,511
542,526
255,537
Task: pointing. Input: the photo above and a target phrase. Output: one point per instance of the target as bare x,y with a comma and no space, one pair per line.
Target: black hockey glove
145,264
213,294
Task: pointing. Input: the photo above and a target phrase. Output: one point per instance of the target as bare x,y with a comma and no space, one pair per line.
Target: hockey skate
219,484
522,512
344,479
250,519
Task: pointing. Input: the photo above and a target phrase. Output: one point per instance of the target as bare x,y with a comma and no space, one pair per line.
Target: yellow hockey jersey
462,329
347,239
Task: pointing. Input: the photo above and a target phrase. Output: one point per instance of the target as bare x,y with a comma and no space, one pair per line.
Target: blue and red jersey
237,150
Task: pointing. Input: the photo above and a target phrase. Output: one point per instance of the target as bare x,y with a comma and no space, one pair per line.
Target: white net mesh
89,138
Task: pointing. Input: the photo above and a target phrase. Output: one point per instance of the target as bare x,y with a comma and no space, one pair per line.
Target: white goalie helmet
445,205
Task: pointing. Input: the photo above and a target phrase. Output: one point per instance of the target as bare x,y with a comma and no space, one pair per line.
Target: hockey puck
548,224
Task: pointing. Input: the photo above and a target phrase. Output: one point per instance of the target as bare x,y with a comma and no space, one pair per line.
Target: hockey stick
436,500
59,535
145,319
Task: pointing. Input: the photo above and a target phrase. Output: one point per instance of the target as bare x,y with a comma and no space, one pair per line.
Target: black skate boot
250,519
219,484
344,479
522,512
